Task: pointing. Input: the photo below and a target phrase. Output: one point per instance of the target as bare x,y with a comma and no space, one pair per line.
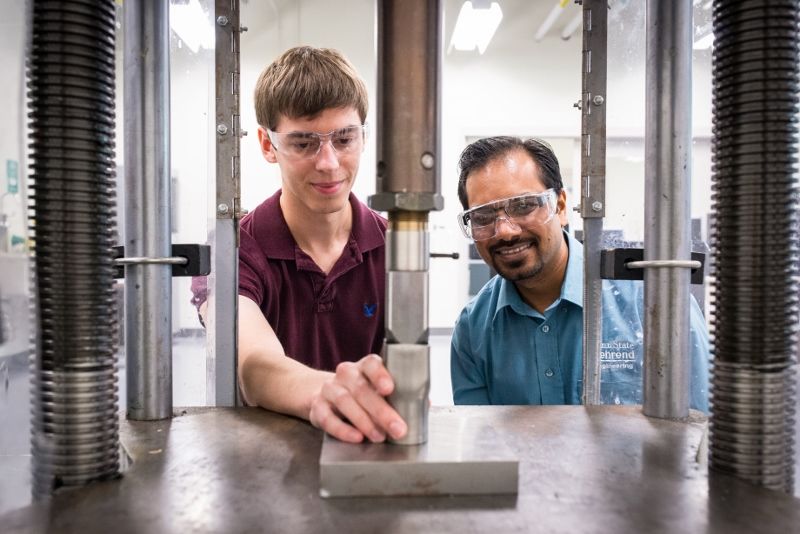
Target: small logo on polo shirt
369,310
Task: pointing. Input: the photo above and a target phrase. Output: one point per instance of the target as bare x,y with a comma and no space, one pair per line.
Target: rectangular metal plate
463,456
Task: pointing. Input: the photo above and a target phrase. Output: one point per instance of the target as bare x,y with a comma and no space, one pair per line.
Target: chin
520,272
332,205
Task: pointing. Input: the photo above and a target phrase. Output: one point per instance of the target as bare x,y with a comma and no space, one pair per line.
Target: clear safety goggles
303,145
526,210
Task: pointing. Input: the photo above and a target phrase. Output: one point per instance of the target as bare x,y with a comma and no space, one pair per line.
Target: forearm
280,384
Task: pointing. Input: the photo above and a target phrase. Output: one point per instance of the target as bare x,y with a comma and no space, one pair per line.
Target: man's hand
351,405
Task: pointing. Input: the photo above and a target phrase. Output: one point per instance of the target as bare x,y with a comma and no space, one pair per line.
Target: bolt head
597,205
222,129
222,208
598,100
427,160
222,20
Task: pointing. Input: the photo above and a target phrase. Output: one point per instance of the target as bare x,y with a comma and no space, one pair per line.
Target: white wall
517,87
277,25
12,125
14,285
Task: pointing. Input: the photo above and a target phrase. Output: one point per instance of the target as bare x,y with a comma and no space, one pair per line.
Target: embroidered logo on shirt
369,310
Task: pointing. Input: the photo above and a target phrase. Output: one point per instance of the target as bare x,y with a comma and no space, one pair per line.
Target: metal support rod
593,179
223,306
664,264
148,287
668,122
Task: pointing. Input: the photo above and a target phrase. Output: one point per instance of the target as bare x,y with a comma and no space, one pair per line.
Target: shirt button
548,373
545,329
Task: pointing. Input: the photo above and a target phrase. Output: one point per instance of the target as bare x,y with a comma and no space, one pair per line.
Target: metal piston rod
408,186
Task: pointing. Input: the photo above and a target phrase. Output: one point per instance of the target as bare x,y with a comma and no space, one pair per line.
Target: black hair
482,151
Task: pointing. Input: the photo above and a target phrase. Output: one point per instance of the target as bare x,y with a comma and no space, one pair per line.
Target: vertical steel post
148,288
593,186
223,305
668,141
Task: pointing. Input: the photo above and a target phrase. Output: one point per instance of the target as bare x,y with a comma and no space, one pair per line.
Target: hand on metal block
352,405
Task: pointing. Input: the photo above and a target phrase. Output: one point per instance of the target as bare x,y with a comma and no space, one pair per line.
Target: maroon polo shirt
321,320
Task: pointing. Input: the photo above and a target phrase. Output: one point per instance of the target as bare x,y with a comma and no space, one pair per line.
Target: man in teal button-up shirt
519,341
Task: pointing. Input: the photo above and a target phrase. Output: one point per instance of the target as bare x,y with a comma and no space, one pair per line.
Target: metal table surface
581,469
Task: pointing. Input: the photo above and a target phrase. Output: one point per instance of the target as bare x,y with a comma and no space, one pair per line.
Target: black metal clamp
629,264
186,260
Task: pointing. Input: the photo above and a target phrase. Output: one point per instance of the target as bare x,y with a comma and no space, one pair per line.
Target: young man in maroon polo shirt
311,259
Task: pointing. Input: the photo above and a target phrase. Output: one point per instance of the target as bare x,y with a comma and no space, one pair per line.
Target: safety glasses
526,210
304,145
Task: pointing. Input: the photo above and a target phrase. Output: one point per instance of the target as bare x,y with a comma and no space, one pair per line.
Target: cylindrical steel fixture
409,140
668,141
75,435
408,242
754,239
410,366
148,288
407,353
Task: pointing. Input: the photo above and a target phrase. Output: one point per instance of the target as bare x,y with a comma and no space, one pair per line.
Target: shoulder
364,213
369,227
264,231
480,310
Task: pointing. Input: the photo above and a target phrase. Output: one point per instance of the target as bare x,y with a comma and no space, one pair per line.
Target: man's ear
267,149
561,208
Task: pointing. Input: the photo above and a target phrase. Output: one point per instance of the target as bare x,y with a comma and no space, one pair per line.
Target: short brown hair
305,81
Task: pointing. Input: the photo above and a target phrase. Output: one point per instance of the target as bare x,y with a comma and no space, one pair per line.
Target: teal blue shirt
505,352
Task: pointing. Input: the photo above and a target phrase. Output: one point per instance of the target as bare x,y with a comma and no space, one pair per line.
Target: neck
540,291
320,235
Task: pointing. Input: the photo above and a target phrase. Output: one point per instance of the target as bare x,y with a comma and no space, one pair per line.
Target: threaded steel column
755,239
75,437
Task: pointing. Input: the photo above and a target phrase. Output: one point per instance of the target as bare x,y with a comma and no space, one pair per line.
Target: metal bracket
593,110
186,260
629,264
228,129
593,178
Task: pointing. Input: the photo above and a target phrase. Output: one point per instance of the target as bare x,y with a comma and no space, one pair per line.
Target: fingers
322,416
373,369
352,406
369,382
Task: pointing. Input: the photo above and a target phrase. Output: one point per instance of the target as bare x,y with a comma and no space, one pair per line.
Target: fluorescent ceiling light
705,42
191,23
550,20
476,26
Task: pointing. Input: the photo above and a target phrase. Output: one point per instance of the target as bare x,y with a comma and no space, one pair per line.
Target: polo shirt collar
366,231
571,289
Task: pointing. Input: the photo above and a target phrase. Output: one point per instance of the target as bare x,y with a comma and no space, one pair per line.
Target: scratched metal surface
581,469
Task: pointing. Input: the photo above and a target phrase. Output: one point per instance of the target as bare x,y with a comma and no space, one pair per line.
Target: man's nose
505,227
327,159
